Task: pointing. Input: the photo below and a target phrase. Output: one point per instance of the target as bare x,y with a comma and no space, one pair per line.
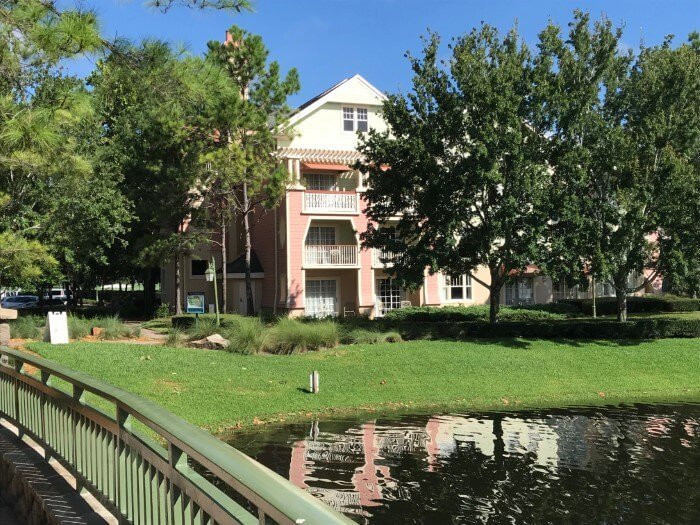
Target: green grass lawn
219,390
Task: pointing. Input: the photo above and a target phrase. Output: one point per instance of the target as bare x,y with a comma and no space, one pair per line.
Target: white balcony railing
331,255
379,254
330,201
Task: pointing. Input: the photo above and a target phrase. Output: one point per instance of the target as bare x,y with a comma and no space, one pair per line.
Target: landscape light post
210,275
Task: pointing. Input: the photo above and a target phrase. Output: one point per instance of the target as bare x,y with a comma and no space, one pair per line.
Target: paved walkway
46,481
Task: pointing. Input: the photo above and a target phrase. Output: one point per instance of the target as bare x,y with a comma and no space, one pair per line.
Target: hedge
554,311
608,305
578,329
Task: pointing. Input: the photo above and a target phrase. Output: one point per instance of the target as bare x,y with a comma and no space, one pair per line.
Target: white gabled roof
316,102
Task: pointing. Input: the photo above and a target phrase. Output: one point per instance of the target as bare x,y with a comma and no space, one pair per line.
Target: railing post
177,460
18,368
45,380
120,489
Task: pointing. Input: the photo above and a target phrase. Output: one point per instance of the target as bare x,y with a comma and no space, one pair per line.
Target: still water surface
632,464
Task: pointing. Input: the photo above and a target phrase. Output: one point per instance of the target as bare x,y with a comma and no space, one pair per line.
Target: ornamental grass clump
27,327
246,336
204,327
364,336
289,336
113,328
79,327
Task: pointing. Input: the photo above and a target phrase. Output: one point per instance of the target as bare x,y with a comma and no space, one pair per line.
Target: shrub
247,336
643,328
163,310
476,313
186,321
27,327
291,335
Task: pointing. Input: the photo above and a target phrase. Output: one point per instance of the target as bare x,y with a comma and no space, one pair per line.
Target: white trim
355,120
443,292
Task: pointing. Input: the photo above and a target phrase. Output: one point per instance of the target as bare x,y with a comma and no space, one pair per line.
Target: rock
4,334
97,331
213,342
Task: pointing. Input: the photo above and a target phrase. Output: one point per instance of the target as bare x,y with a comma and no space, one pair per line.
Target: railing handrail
278,497
346,254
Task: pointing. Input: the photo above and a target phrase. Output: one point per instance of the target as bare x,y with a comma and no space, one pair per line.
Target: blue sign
195,303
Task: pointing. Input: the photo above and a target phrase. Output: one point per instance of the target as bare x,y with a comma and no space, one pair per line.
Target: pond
626,464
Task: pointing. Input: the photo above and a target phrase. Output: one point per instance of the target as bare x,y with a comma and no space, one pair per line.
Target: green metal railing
133,476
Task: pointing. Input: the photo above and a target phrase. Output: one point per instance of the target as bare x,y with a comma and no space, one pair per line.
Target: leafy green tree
620,155
23,262
149,100
244,177
461,165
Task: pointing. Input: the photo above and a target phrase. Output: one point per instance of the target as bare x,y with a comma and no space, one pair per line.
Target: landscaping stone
213,342
97,331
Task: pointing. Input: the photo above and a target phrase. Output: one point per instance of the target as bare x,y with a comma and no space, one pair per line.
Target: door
242,298
321,297
389,295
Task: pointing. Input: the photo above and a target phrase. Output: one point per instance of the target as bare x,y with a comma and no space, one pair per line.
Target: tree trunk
494,295
494,305
178,287
149,291
621,295
224,262
250,305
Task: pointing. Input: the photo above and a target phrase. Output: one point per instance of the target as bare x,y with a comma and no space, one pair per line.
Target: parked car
57,294
20,302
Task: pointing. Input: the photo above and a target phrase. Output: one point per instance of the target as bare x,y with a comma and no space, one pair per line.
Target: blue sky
328,40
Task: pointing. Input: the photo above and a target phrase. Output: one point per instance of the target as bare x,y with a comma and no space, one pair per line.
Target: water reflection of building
370,453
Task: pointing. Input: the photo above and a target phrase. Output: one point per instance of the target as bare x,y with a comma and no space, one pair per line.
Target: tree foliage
243,116
461,165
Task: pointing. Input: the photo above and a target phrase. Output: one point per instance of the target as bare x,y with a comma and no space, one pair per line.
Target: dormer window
362,119
355,119
348,119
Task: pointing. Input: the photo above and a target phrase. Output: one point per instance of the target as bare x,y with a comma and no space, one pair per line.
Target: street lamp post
210,275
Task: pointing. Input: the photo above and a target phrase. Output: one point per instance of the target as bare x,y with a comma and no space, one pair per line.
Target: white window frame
355,113
377,296
318,177
306,295
466,287
344,111
358,119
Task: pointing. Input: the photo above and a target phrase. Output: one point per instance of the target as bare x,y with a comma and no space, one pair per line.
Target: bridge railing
145,479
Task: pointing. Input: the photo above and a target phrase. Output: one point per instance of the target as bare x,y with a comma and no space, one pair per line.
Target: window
321,300
320,181
519,292
199,267
355,119
389,295
348,119
362,119
319,235
458,288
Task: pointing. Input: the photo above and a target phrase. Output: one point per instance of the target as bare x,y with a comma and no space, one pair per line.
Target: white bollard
313,382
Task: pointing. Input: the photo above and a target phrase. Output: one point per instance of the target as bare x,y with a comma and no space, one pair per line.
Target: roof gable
353,90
